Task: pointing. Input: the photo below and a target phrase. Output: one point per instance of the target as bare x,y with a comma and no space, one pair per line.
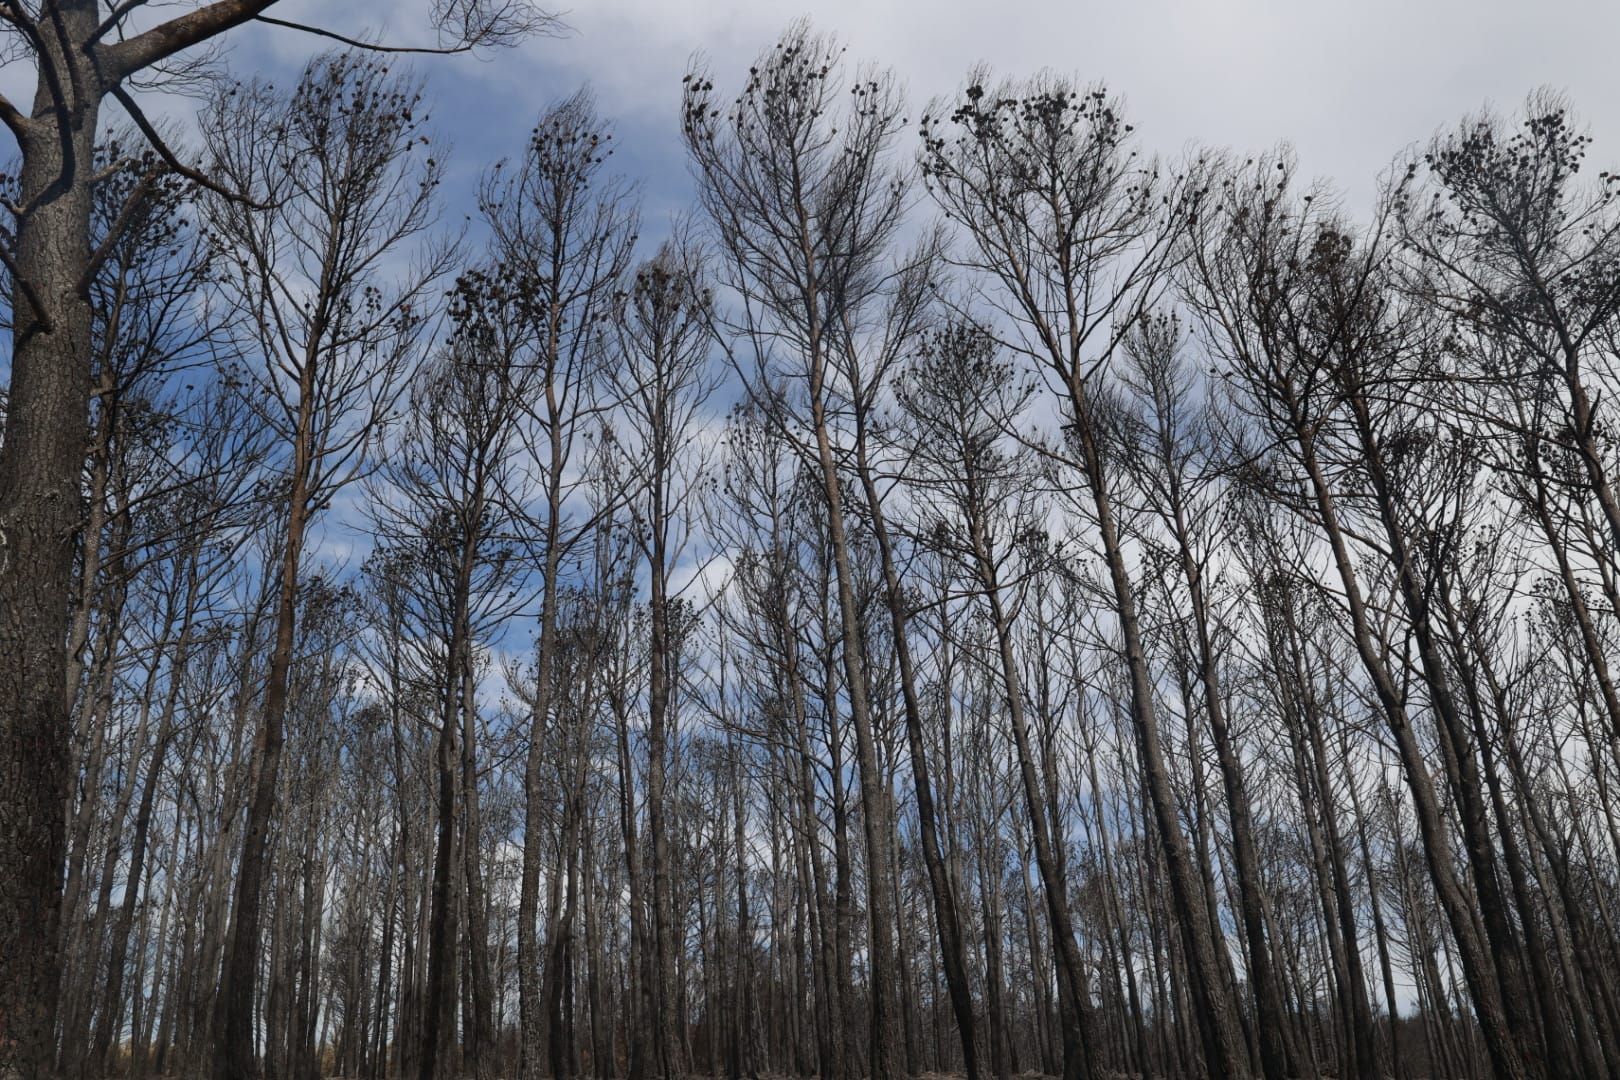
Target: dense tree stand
971,598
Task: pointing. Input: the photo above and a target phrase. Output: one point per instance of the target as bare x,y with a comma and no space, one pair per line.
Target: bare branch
13,118
115,17
26,287
182,32
467,24
115,231
370,46
169,157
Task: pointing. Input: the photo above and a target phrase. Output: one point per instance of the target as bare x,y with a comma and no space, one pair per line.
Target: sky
1349,84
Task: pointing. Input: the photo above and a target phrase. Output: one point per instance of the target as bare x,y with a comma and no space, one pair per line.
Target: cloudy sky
1349,84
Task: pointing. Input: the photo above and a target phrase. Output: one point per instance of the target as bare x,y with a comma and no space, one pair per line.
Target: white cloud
1348,82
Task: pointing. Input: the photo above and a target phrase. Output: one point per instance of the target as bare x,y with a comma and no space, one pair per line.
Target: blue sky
1349,84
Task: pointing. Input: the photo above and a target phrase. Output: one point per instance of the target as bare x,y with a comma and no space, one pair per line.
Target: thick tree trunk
46,425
